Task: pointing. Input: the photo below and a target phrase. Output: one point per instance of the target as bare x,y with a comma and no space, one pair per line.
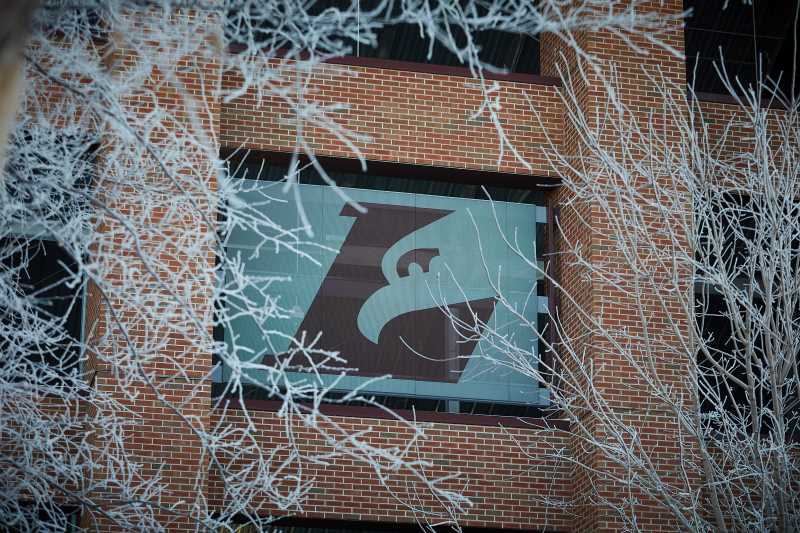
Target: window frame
356,59
542,416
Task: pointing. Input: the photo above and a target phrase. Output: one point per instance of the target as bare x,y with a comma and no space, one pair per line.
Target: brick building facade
421,116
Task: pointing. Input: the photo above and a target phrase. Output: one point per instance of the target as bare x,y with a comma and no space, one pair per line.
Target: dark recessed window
740,334
513,52
402,42
47,185
760,36
42,273
745,358
715,321
376,292
32,516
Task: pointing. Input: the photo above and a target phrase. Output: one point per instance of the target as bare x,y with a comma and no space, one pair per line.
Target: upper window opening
747,262
48,179
402,42
743,39
396,41
516,53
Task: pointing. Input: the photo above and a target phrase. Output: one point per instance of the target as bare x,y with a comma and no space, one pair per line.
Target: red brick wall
726,125
159,438
506,486
614,377
411,117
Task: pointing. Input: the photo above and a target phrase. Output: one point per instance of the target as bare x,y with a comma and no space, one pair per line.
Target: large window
376,294
745,34
746,309
42,273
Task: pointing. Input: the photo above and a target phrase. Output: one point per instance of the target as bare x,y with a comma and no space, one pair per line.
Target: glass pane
378,293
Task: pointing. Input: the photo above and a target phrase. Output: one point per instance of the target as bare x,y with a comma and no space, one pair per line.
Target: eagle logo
376,304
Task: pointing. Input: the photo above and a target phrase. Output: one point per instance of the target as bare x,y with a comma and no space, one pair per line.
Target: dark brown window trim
402,170
427,68
444,70
553,300
548,420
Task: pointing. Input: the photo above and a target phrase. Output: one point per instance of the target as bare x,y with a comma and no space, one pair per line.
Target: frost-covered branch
700,234
113,174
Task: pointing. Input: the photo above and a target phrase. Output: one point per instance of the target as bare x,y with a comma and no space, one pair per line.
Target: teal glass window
377,292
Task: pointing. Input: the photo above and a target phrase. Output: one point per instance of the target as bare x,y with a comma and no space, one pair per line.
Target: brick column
585,224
